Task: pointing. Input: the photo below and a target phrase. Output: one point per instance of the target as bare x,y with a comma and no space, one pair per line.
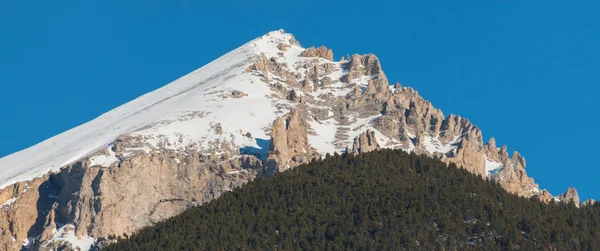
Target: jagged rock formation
265,107
365,142
105,202
570,195
321,52
289,143
359,66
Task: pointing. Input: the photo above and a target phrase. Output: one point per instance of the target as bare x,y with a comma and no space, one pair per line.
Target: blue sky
525,72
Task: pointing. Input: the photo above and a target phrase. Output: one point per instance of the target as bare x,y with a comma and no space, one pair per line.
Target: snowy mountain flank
262,108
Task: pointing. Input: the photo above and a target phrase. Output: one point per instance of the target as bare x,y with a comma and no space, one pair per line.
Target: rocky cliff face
365,142
321,52
99,203
266,107
289,143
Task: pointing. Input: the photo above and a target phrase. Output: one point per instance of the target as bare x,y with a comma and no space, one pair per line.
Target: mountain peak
264,107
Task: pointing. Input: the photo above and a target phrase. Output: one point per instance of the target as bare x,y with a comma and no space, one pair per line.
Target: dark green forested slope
385,200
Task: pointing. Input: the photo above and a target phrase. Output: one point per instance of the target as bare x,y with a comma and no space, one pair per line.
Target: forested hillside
387,199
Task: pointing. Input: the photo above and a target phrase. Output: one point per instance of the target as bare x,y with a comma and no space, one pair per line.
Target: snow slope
199,91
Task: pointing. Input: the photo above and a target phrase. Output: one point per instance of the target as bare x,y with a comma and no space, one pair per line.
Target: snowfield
168,103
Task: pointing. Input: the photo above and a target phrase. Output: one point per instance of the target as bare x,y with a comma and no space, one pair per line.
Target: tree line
382,200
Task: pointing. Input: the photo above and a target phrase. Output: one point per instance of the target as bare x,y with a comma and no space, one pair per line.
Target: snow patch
27,243
434,145
67,234
325,137
492,167
130,151
104,160
9,202
382,140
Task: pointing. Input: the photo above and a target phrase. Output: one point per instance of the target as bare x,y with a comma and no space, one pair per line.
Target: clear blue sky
526,72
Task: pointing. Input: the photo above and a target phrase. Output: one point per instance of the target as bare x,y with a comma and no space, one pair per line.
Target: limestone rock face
321,52
512,176
491,149
289,143
470,153
19,219
360,66
107,202
415,124
412,113
365,142
570,195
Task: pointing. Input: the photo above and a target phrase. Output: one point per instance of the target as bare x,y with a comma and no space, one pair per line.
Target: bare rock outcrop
377,89
365,142
321,52
310,79
413,113
470,152
493,153
289,142
415,123
108,202
513,176
270,66
238,94
362,65
515,180
570,195
283,46
19,214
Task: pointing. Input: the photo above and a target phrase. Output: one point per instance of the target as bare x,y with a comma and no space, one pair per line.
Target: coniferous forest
383,200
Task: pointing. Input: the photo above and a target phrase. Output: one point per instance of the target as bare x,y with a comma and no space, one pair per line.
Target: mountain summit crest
262,108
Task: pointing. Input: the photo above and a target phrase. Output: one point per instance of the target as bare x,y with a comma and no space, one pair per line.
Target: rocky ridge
267,106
